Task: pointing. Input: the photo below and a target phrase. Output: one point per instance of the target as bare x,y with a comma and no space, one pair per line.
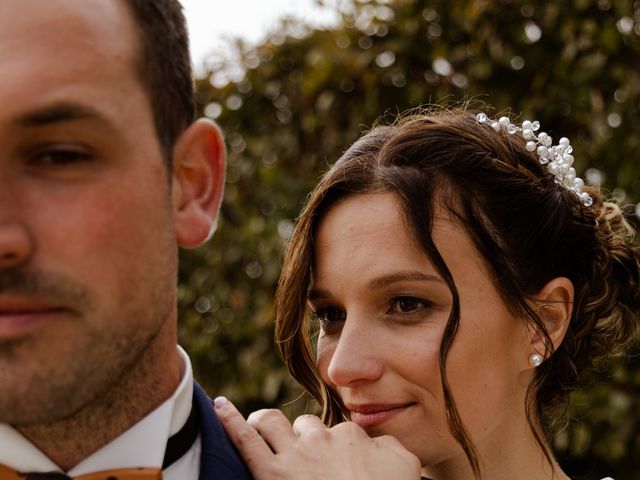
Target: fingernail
220,402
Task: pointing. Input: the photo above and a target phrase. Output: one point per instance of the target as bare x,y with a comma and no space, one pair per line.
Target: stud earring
536,360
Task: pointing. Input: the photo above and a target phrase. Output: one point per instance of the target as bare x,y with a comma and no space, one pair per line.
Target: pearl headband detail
557,158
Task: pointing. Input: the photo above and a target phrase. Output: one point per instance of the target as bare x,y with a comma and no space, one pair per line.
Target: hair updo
527,229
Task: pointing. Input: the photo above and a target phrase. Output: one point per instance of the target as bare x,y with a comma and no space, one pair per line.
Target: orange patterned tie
119,474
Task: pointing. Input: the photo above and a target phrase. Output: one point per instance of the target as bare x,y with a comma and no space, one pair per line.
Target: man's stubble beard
49,380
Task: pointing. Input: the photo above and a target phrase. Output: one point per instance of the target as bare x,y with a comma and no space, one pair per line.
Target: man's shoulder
219,457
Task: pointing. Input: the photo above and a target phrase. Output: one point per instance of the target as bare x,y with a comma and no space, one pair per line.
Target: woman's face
382,308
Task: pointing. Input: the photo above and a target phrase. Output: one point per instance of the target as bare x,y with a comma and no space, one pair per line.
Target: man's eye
407,304
60,158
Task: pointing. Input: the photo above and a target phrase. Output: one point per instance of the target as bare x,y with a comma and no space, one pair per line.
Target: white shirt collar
143,445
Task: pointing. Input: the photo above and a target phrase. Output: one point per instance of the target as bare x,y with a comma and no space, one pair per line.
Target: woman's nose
355,358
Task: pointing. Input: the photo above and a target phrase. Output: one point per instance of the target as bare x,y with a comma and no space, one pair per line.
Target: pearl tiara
557,158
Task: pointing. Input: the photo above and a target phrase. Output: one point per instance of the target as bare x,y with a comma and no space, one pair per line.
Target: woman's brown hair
527,228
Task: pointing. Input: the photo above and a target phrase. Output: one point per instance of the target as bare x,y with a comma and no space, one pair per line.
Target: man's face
87,240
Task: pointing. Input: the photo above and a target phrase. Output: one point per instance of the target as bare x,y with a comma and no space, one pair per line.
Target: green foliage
571,64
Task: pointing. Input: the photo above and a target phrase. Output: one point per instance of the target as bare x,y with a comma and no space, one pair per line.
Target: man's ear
554,305
198,182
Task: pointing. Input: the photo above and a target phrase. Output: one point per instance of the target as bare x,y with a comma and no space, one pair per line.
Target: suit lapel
219,458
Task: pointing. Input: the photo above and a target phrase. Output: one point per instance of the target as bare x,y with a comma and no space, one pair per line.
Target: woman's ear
554,305
198,182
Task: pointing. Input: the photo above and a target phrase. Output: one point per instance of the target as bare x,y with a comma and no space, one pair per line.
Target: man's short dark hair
164,67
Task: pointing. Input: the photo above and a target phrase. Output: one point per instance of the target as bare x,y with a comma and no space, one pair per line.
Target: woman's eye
328,315
407,304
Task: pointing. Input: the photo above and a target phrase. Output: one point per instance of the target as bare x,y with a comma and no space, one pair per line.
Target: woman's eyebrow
409,275
381,282
317,293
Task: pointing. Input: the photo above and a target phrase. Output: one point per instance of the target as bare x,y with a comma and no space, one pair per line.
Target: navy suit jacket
219,459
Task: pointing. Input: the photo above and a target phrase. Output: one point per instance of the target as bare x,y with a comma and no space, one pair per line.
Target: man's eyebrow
60,113
381,282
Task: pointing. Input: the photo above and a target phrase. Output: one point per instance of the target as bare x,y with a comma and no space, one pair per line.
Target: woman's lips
371,415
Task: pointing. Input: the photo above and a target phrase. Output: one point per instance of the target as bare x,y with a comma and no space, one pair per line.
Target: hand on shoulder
274,449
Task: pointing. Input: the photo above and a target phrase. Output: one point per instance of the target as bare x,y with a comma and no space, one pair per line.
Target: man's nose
16,244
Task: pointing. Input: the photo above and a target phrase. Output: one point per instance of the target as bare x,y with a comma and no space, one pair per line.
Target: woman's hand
273,449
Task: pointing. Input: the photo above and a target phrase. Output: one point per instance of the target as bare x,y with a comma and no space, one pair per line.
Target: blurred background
291,100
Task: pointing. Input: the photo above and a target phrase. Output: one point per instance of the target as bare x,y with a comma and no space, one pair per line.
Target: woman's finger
273,427
393,444
306,424
387,441
252,447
